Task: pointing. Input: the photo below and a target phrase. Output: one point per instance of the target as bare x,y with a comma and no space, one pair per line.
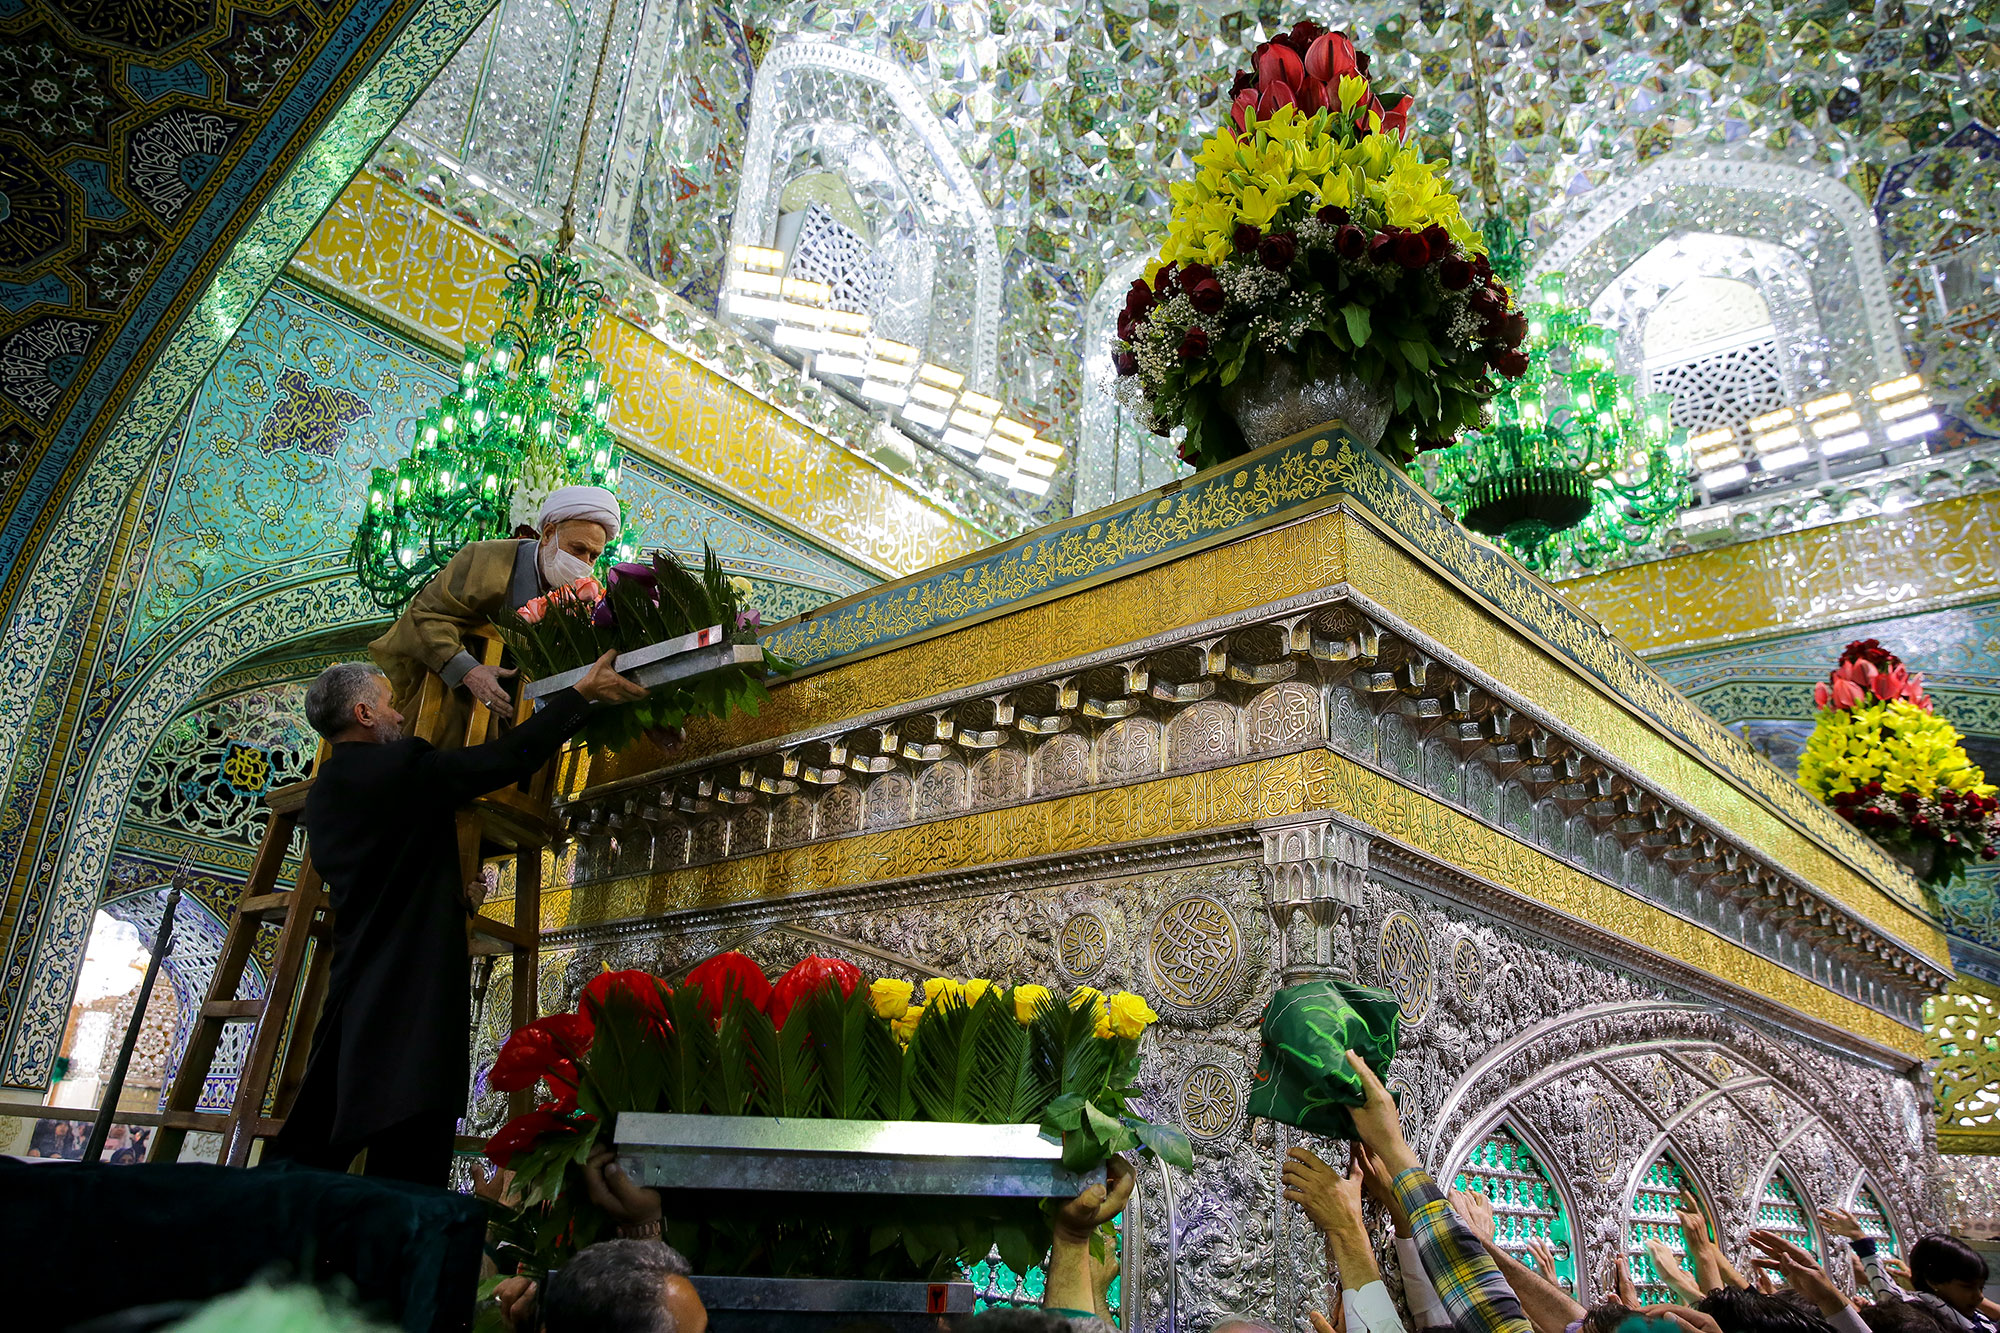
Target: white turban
587,502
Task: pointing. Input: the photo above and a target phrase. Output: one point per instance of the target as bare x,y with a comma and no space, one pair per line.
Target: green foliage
947,1079
727,1082
689,1050
788,1078
840,1030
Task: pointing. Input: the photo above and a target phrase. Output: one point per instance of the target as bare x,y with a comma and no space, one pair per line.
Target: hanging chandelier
1576,468
528,416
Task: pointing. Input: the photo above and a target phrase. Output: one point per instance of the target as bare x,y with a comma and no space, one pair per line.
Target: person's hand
1544,1257
1900,1271
1375,1179
603,685
1098,1204
1332,1201
1671,1272
1476,1210
632,1206
1622,1289
1694,1221
1375,1120
1335,1320
516,1296
1840,1222
475,893
483,683
1763,1279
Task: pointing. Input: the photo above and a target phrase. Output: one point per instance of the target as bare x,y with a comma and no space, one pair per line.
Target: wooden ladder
513,823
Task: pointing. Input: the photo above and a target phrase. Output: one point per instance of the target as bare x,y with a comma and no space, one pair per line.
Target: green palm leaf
787,1079
689,1051
1019,1089
888,1073
727,1081
1068,1049
948,1079
840,1038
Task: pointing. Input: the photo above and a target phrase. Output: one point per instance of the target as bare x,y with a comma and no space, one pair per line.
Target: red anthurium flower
1396,118
1275,95
1277,64
641,986
808,976
725,974
1312,97
535,1049
1330,56
520,1134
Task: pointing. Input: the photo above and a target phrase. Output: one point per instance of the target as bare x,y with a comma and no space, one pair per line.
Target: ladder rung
232,1009
288,798
266,906
207,1122
529,938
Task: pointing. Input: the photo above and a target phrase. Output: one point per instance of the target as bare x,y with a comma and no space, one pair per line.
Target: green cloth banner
1303,1078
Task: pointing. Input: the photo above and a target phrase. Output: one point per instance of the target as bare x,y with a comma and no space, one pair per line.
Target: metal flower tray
797,1156
656,664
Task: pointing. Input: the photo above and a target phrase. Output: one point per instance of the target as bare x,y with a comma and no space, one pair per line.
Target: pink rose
535,610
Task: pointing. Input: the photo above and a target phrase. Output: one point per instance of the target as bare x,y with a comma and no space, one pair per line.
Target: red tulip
1274,96
725,974
1331,56
645,991
1846,694
1276,64
519,1134
809,975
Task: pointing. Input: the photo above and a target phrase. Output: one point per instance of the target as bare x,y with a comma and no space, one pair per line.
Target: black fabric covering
393,1040
84,1240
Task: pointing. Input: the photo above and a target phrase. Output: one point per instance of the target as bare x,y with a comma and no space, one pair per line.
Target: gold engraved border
411,264
1216,799
1934,555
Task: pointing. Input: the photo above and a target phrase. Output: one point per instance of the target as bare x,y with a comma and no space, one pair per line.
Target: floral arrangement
642,604
1884,761
1313,232
820,1043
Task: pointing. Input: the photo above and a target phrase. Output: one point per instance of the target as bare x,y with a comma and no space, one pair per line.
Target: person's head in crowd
1741,1310
623,1286
1949,1269
1900,1317
1011,1319
1613,1317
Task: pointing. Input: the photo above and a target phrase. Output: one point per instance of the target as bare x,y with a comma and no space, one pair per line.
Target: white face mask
560,568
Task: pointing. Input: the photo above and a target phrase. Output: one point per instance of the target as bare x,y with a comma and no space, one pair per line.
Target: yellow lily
1353,88
1259,207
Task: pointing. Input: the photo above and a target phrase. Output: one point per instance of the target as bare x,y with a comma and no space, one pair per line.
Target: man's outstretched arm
458,776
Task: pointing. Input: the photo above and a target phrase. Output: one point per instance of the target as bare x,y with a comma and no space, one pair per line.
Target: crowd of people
1454,1277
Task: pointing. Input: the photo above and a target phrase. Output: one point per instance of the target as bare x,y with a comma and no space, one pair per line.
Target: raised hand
1376,1121
603,685
1375,1179
1544,1257
1840,1222
1098,1204
1671,1271
1476,1209
630,1205
1332,1201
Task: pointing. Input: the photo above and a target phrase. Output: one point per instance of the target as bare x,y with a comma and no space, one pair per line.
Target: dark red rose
1482,267
1351,241
807,976
1126,363
1439,240
1304,33
1382,247
1455,274
1514,329
1276,252
1244,79
1412,251
1486,302
1166,281
1204,290
1246,238
1128,327
1276,65
1332,215
1195,346
641,988
1513,362
1331,56
728,974
1273,97
1139,299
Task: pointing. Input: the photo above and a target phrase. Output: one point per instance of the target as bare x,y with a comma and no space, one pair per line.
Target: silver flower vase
1286,401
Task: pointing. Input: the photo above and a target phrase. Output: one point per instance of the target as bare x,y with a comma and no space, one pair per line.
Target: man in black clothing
390,1060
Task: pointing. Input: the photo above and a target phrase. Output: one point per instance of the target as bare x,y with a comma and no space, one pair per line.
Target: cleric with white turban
575,525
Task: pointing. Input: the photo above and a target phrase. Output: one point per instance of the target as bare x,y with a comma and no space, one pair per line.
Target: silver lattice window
1723,389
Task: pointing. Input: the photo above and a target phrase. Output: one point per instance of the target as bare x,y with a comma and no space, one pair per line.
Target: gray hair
613,1286
331,698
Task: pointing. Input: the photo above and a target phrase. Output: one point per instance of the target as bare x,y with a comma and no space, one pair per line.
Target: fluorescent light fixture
847,321
933,396
1915,426
1037,467
972,421
1712,437
789,335
927,417
1891,411
938,375
832,363
1777,439
1819,407
1718,458
893,394
848,345
1004,448
755,307
1042,448
1786,458
980,403
888,349
1032,485
1846,421
1727,476
757,256
1882,393
1007,426
888,371
747,280
999,467
1844,444
808,291
1770,419
964,439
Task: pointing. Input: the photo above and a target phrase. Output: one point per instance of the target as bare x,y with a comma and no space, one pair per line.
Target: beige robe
475,585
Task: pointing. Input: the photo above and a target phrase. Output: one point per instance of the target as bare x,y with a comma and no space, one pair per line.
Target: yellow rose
1027,999
1103,1028
1085,996
906,1026
890,997
1130,1014
973,989
942,988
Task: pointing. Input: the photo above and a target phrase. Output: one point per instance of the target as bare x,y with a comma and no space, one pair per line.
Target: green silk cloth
1303,1078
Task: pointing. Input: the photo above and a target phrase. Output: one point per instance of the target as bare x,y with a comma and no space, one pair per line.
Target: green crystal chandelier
528,414
1576,468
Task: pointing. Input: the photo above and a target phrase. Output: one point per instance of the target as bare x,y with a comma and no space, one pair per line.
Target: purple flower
630,572
604,617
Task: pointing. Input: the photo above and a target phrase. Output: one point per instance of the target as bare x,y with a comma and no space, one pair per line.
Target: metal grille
1525,1205
1779,1210
1868,1211
1654,1218
1724,389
